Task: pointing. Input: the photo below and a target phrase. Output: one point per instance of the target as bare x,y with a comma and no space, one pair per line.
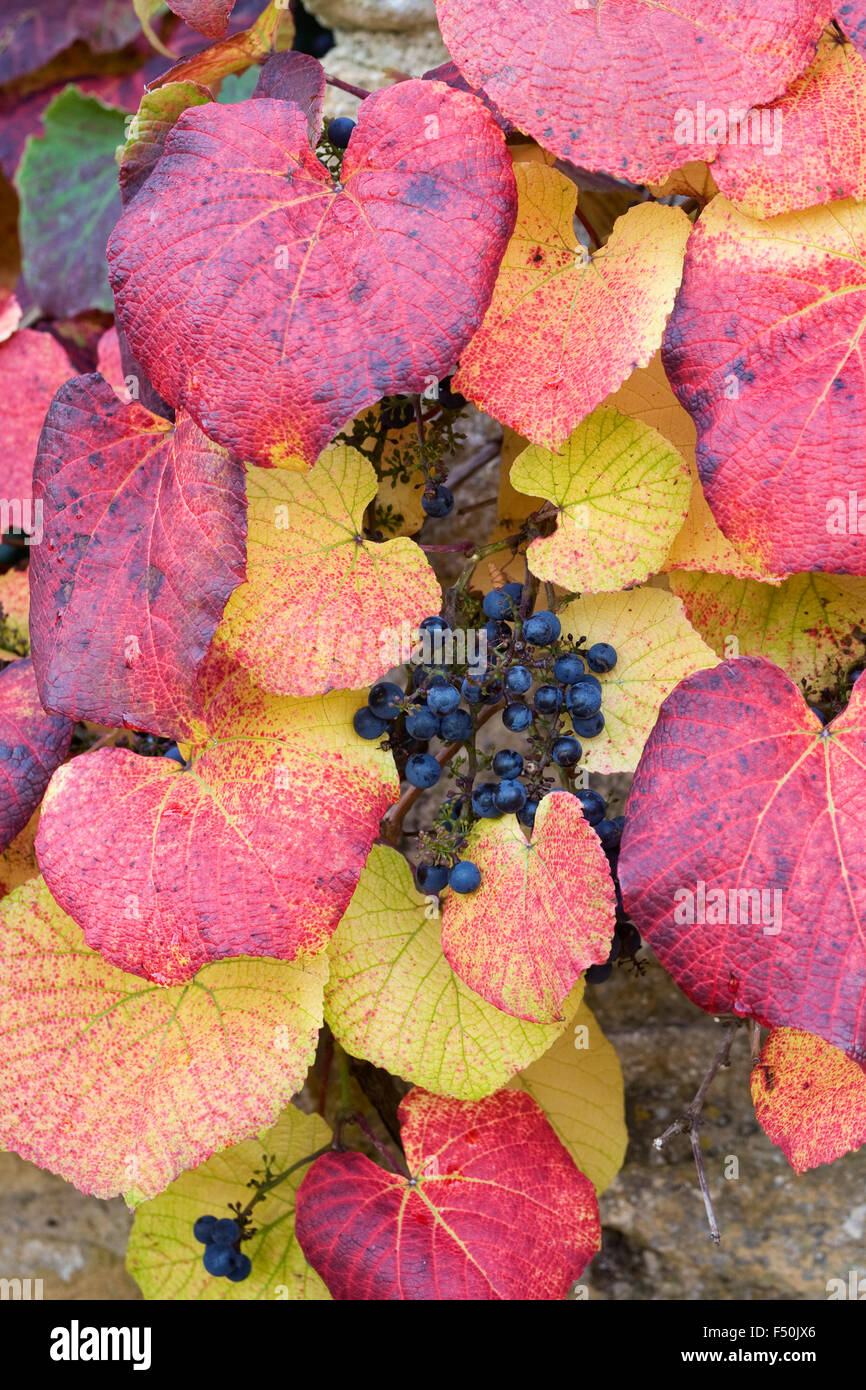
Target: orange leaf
810,1098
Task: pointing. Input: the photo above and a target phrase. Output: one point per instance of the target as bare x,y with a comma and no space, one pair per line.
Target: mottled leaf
253,849
543,913
495,1209
144,542
294,77
163,1255
320,601
18,860
32,367
157,114
272,31
622,493
209,17
364,277
563,331
393,999
810,1099
119,1086
32,745
743,861
656,647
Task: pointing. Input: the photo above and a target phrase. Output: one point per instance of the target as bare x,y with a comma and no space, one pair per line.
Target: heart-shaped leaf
320,601
163,1255
67,183
578,1084
763,351
296,77
656,647
699,544
254,848
393,999
119,1086
812,625
806,148
743,860
622,493
354,273
544,912
612,86
495,1208
810,1099
32,367
32,745
563,331
144,542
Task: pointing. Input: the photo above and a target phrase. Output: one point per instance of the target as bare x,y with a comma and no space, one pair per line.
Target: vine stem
281,1177
346,86
690,1120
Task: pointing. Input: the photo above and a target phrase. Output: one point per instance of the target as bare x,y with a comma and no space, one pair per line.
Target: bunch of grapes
221,1239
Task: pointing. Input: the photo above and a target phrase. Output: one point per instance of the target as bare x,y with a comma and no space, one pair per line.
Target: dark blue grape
448,399
542,628
526,814
484,800
442,699
610,831
510,795
456,726
385,699
225,1231
517,716
423,725
588,728
491,691
547,699
498,634
431,878
567,668
434,624
583,699
240,1269
508,763
593,804
219,1259
471,690
340,131
441,502
465,877
518,680
566,751
423,771
601,657
203,1229
366,725
497,604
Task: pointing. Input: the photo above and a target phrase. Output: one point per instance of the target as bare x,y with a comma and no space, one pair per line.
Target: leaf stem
347,86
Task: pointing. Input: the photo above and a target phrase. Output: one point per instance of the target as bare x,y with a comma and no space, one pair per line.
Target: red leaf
451,74
208,17
604,85
32,366
810,1099
851,18
495,1209
763,350
253,849
747,816
289,270
299,78
145,529
32,745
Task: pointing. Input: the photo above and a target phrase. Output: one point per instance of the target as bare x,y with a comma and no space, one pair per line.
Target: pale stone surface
373,14
366,58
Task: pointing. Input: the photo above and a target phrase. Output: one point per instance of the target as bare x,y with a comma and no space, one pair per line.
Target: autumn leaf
495,1209
32,745
209,17
544,911
18,860
274,30
622,494
165,1259
321,603
254,848
763,351
656,647
32,367
851,18
157,114
33,34
812,625
119,1086
354,274
563,331
578,1084
699,544
805,148
296,77
67,183
612,88
144,542
810,1099
393,999
742,861
15,612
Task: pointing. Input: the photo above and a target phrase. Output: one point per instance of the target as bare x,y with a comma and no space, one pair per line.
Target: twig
392,821
690,1120
755,1043
471,465
346,86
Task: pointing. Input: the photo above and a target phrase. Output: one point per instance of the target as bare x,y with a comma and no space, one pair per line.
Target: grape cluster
221,1237
551,694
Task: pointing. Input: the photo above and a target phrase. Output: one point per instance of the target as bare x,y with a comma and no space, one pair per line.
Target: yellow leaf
622,493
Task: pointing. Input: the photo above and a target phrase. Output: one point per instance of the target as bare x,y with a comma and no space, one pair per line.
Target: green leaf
163,1255
67,183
